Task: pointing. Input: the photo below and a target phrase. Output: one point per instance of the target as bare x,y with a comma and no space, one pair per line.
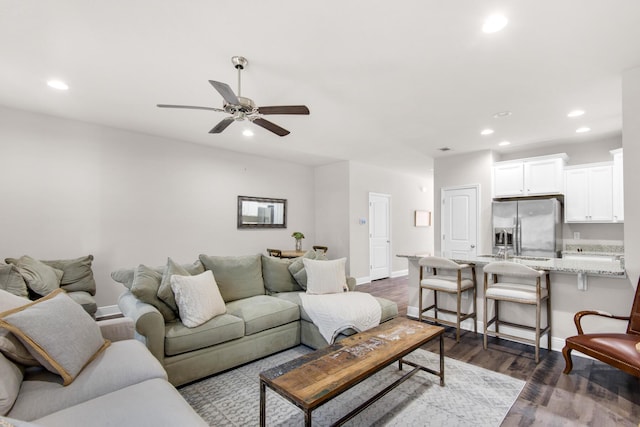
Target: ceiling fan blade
271,127
224,123
284,109
190,107
226,92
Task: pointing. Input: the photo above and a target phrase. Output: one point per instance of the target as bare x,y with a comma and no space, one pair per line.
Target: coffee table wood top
317,377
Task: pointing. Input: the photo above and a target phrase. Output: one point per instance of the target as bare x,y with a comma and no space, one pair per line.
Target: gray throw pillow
297,267
237,277
10,345
165,293
77,274
41,278
10,385
276,275
12,281
146,283
125,275
43,327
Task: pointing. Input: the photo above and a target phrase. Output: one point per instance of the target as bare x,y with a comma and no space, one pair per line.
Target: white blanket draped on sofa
333,313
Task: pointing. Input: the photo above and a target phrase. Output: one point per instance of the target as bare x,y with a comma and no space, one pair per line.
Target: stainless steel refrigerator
528,227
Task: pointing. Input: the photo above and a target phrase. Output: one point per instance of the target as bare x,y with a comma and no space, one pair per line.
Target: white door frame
475,187
388,225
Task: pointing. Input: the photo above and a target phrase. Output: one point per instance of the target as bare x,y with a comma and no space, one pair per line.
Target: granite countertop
558,265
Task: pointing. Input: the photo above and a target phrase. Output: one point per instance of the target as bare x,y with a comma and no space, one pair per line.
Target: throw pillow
11,346
40,278
146,283
198,298
43,327
10,385
12,281
276,275
77,274
164,291
297,267
238,277
326,277
125,275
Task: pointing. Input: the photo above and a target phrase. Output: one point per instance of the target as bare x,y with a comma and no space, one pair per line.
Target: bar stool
454,284
516,291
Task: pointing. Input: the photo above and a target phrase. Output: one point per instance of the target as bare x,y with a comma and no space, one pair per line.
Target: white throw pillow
198,298
326,277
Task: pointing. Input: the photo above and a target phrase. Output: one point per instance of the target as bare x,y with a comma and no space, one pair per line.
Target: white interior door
379,236
459,224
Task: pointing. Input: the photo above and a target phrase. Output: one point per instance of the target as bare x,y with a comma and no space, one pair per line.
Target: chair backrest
438,262
634,317
512,269
274,252
323,249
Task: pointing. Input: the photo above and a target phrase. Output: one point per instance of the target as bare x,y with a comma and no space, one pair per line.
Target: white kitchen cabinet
588,196
618,186
529,177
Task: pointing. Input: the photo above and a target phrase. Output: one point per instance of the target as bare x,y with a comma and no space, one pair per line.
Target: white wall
406,197
71,189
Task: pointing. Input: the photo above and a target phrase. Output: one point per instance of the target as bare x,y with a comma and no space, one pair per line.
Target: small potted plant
298,236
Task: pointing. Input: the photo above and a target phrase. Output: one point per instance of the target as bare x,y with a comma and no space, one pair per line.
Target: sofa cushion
41,278
180,339
146,282
77,274
198,298
10,385
164,291
125,275
130,406
238,277
12,281
86,301
297,269
263,312
43,327
122,364
326,277
276,275
10,345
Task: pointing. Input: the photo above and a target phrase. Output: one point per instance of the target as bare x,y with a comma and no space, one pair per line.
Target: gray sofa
264,315
113,389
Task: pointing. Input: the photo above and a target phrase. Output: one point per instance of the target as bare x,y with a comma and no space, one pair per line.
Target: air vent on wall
444,149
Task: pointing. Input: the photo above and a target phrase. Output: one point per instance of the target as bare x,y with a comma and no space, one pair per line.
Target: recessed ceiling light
486,132
502,114
57,84
575,113
247,132
494,23
583,129
504,143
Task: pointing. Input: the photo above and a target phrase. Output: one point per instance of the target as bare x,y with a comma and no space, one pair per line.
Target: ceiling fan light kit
241,108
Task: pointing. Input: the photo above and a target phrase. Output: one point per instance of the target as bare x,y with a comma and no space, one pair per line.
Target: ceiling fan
242,108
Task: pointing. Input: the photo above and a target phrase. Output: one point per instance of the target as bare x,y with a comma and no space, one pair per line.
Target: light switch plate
576,235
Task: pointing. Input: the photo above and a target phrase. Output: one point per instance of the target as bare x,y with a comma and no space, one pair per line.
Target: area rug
471,396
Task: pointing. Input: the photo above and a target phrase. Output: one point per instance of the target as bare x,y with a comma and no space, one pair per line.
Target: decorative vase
298,244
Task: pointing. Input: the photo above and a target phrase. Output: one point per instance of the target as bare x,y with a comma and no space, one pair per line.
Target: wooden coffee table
314,379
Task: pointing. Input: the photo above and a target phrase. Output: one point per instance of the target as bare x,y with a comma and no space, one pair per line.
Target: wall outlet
576,235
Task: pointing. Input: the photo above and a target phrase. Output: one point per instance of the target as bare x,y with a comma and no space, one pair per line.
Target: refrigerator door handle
518,248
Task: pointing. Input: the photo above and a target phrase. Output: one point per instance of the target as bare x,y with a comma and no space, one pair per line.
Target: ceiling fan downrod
239,62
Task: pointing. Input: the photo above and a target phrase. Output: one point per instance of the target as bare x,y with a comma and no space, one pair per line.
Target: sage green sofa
264,314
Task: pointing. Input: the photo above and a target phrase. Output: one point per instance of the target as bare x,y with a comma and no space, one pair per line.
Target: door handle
473,246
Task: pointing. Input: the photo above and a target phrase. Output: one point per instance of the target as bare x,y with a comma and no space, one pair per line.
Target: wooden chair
511,283
323,249
455,284
274,252
619,350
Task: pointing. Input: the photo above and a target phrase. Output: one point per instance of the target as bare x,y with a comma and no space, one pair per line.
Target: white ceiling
387,83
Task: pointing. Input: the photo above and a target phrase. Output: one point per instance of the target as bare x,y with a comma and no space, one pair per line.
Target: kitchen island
575,285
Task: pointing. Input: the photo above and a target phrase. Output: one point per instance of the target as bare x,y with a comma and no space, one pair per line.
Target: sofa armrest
148,322
118,329
351,283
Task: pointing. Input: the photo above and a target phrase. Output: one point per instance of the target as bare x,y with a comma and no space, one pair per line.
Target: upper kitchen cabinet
532,176
618,186
588,196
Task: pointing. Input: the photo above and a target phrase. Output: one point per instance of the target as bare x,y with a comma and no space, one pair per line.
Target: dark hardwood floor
593,394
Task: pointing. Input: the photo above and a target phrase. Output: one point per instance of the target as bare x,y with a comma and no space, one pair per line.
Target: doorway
379,236
459,224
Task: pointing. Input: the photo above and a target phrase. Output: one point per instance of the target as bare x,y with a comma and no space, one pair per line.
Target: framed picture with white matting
423,218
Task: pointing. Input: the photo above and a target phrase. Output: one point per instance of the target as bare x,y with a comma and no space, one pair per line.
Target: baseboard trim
394,274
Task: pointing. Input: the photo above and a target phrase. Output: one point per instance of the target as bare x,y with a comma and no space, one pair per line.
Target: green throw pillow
237,277
165,293
12,281
276,275
146,283
77,274
41,278
297,267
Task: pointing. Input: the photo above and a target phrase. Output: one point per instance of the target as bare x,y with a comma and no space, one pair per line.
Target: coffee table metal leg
307,418
263,411
441,359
